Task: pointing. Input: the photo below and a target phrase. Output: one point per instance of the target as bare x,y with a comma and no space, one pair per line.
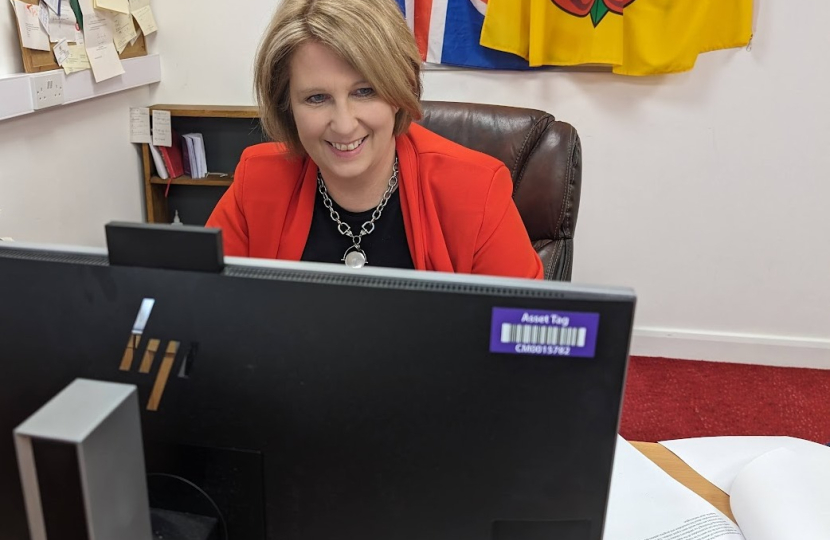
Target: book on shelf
158,161
193,149
172,156
187,161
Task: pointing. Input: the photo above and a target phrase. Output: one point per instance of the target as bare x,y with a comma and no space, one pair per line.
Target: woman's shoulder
265,160
450,169
435,150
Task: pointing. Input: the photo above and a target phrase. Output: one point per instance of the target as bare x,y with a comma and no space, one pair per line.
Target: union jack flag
448,32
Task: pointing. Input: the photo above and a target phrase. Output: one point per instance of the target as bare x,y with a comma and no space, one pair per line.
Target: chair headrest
542,154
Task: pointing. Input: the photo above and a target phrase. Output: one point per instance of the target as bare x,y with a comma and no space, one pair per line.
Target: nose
344,119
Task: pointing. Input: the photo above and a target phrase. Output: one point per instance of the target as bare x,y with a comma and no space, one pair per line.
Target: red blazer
457,208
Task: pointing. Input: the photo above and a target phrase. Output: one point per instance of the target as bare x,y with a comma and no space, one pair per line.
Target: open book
779,487
780,495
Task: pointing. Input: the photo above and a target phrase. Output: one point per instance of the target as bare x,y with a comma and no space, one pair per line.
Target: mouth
347,147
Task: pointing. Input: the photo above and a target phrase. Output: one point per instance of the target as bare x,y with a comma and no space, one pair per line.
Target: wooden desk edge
684,474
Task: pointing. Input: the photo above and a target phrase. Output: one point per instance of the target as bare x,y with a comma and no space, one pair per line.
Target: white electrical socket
47,89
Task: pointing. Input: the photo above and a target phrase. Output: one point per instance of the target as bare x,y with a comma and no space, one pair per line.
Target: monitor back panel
327,407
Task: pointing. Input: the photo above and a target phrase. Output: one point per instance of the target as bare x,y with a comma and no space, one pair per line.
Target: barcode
543,335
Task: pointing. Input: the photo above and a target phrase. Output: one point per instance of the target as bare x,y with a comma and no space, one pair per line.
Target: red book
172,156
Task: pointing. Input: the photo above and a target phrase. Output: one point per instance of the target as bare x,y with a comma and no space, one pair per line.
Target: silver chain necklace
355,257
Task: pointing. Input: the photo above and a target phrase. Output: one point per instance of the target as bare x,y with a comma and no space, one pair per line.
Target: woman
352,179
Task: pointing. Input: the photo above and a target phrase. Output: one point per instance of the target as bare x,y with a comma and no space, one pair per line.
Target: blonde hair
371,35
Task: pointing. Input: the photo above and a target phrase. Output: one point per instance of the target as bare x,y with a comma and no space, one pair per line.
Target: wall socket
47,89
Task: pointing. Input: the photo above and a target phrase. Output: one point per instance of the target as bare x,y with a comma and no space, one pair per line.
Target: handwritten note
43,15
120,6
31,32
54,5
162,132
143,14
61,50
124,30
63,26
77,61
140,125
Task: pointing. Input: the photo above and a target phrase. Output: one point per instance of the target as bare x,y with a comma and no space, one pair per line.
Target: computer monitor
316,402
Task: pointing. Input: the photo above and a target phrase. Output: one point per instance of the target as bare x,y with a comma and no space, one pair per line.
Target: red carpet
673,399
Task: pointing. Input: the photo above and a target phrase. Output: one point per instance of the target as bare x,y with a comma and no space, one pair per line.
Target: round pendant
355,259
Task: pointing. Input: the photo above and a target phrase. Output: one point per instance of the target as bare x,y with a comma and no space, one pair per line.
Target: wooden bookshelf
219,181
209,111
226,130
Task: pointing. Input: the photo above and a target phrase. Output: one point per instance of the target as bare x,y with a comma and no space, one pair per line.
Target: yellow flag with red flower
635,37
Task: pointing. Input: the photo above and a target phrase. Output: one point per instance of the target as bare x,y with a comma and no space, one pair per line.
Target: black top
385,246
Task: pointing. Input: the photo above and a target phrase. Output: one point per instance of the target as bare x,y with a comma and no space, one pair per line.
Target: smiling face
343,125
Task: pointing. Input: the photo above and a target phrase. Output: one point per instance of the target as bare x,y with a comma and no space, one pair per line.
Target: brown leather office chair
544,159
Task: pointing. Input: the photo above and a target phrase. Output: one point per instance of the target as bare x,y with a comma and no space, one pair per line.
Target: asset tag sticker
544,333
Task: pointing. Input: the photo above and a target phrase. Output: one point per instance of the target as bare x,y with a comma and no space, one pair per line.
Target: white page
192,162
59,27
162,132
64,26
99,45
647,504
124,30
62,52
54,5
120,6
783,495
77,61
146,20
719,459
201,159
43,15
140,125
31,32
161,169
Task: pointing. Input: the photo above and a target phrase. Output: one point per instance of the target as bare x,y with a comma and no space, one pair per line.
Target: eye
316,99
365,92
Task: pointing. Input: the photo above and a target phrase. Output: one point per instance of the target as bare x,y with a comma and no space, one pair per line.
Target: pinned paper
61,50
43,15
77,61
162,132
86,7
140,125
120,6
54,5
98,40
124,30
63,26
143,14
31,32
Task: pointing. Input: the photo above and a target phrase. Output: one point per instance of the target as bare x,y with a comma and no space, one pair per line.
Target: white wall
65,172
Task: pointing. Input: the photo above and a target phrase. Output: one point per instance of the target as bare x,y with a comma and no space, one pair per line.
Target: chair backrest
544,159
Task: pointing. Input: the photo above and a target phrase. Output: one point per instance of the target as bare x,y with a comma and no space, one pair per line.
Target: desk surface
684,474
